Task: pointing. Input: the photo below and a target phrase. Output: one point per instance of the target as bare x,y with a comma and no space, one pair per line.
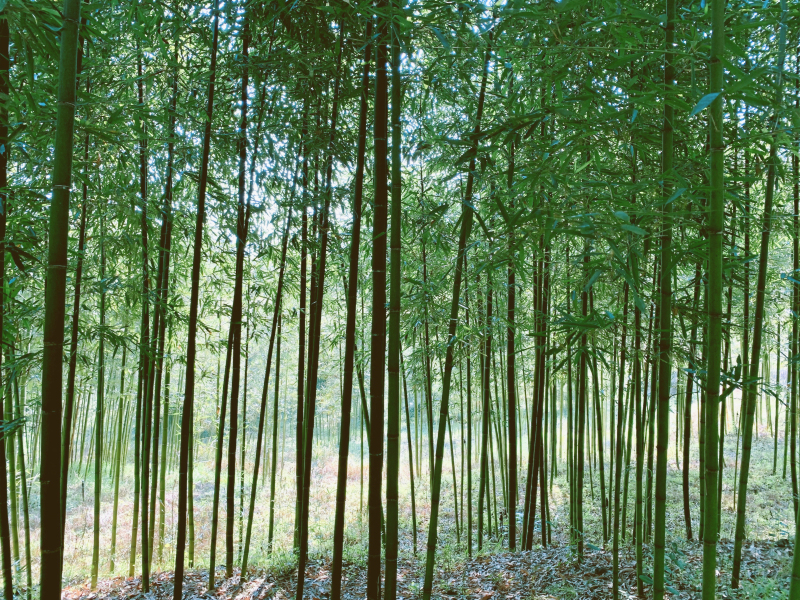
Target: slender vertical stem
350,326
187,419
618,451
466,228
272,481
122,407
99,409
758,323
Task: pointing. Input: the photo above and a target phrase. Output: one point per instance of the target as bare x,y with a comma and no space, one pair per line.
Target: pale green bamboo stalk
24,488
101,372
751,389
118,458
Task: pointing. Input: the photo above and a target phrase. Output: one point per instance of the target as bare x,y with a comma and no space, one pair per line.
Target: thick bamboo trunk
350,326
69,403
55,296
378,325
665,306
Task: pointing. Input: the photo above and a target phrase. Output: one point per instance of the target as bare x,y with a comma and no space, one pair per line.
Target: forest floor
541,574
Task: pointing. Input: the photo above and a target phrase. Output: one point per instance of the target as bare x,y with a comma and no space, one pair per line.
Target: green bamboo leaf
592,280
676,195
442,40
634,229
593,547
704,102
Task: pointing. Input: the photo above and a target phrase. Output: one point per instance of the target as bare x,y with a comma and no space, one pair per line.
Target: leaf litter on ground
541,574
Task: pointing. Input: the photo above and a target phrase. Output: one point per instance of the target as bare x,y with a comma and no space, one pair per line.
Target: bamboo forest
453,299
